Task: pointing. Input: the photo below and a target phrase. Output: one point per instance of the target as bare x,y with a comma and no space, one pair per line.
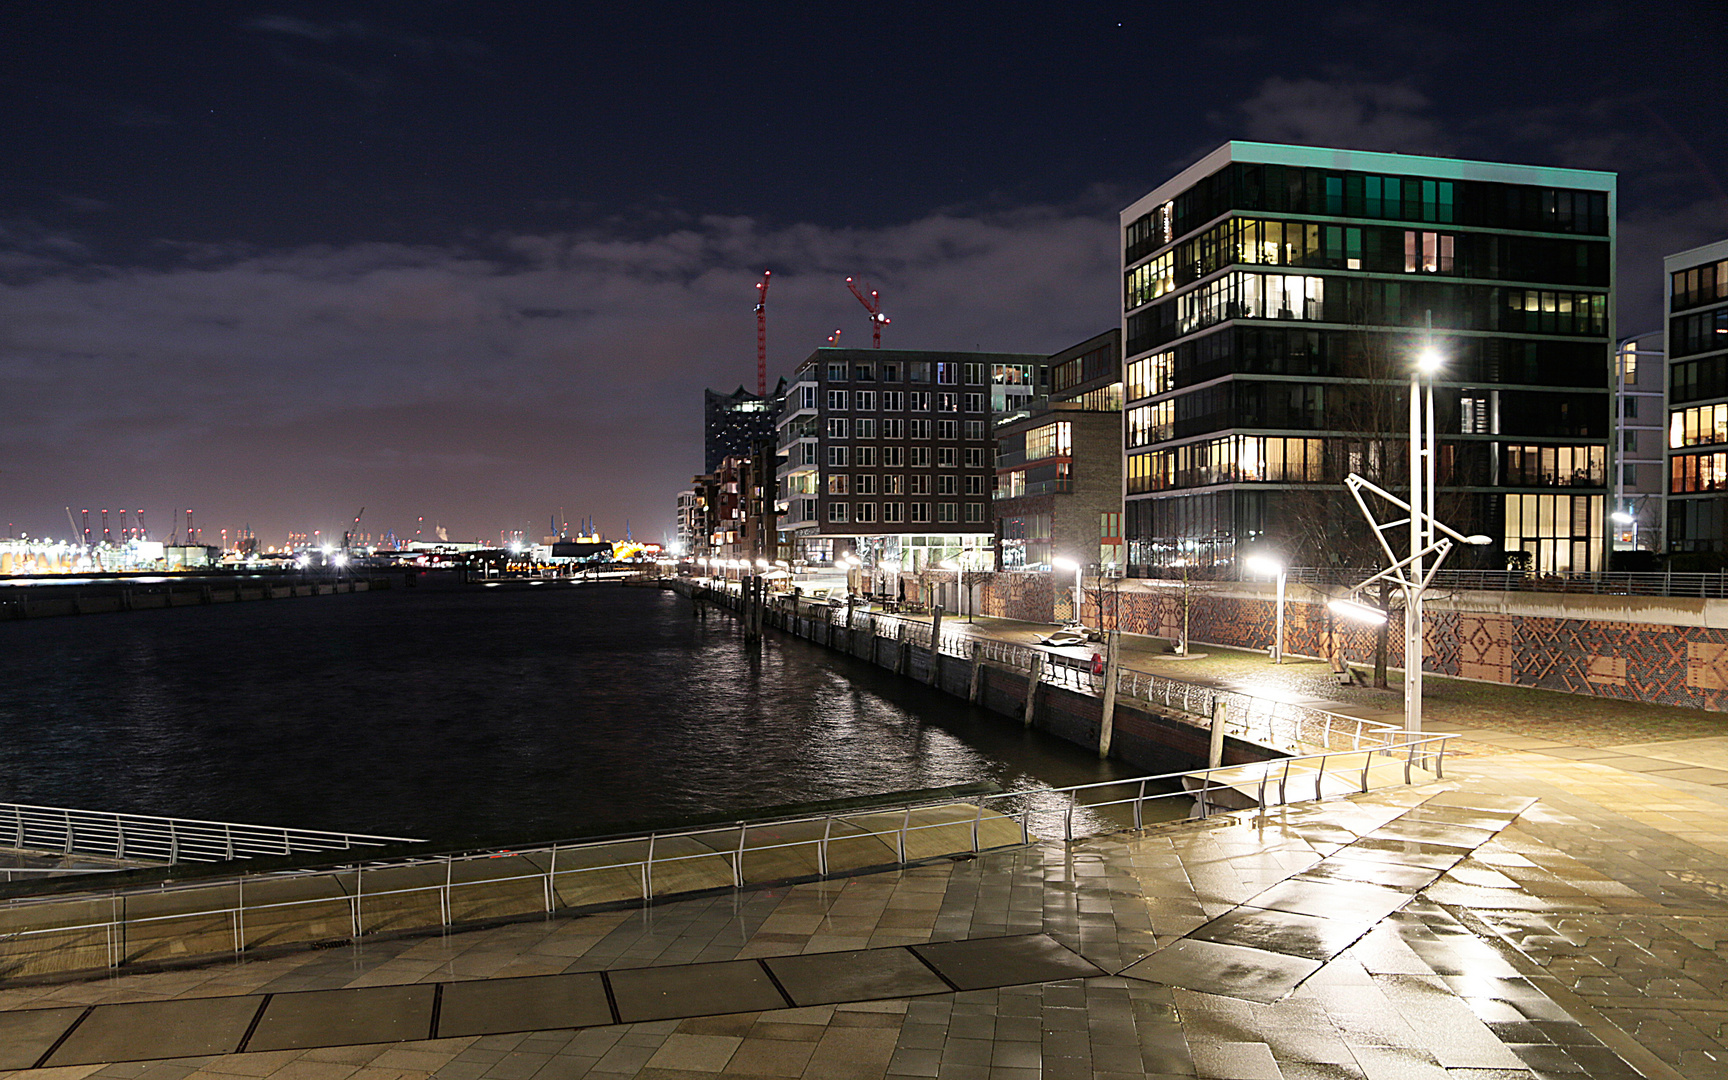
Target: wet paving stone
1226,970
1283,932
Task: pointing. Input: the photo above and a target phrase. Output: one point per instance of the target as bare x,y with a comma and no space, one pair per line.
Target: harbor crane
354,529
874,306
762,335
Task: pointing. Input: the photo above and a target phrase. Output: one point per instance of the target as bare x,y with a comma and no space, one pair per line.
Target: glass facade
1697,466
1272,308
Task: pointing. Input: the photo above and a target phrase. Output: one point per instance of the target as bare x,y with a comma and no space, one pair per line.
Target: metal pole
1412,589
1278,641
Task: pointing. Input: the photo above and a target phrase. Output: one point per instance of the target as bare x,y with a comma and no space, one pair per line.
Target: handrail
1710,585
147,838
1070,807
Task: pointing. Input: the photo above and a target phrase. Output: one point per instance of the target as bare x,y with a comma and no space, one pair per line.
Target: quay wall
50,600
1663,650
1143,736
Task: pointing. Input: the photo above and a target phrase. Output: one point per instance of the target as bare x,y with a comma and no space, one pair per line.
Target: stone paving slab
149,1030
1225,970
983,962
341,1017
26,1036
529,1003
697,990
857,975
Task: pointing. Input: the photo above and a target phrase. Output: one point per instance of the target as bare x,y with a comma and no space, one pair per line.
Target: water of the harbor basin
472,715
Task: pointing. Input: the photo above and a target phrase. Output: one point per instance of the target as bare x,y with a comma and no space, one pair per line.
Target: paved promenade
1553,909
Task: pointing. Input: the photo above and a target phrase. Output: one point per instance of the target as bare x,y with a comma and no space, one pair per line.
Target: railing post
905,822
228,837
648,871
240,916
1139,798
119,837
173,842
359,872
1409,760
1367,763
738,856
68,845
1440,762
1283,781
822,848
978,814
1068,819
449,911
1319,779
551,868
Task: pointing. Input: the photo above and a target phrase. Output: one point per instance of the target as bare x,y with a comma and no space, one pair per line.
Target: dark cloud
481,384
1350,115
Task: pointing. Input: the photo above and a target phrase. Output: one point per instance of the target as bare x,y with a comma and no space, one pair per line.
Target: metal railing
423,893
143,838
1608,583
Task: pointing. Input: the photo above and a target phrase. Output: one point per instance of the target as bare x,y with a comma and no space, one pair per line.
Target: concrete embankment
38,600
1144,735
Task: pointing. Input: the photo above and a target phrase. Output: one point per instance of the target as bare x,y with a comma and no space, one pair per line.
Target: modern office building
1059,464
888,454
1639,468
1274,300
1697,350
733,423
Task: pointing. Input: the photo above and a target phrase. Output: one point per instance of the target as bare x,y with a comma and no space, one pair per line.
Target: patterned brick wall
1026,597
1650,660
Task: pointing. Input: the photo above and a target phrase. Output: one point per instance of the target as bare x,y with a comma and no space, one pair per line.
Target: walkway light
1070,564
1265,564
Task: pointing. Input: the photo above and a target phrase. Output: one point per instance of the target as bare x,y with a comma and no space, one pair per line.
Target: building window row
1228,460
1700,285
1690,474
1371,302
898,401
1705,331
1701,425
940,372
865,427
1289,189
1094,364
1152,423
1546,311
1256,241
1555,466
894,513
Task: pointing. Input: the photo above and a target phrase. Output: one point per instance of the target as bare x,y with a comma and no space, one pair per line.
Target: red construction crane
762,335
874,306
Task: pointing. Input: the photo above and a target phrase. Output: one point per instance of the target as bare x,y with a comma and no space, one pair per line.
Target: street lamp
960,579
1070,564
1264,564
1621,517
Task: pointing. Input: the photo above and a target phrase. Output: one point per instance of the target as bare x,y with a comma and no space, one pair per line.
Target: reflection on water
468,714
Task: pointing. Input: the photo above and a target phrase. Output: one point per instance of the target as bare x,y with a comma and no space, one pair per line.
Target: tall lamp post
1425,538
1263,564
1070,564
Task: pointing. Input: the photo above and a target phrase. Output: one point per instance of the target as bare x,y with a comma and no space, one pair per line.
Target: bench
1342,670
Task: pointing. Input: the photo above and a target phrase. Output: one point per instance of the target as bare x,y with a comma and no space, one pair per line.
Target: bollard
1107,716
976,690
1034,676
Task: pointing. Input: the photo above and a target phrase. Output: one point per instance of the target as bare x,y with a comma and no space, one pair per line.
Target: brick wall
1666,650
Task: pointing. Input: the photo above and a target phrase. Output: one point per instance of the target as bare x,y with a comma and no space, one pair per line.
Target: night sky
477,262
